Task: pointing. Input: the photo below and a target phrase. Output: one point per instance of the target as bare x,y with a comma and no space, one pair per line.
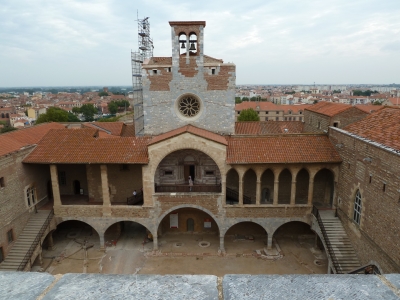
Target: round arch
108,225
273,231
186,145
324,187
98,231
245,221
216,220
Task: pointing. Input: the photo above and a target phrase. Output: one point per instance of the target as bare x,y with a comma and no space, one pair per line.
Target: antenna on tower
144,53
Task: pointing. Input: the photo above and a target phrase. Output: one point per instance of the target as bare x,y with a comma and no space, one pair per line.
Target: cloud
88,41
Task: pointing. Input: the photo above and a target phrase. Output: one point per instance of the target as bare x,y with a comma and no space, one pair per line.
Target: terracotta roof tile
82,146
128,130
328,108
14,140
264,105
115,128
193,130
369,108
268,127
382,126
281,149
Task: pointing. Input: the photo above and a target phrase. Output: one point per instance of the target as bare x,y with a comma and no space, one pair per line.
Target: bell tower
189,87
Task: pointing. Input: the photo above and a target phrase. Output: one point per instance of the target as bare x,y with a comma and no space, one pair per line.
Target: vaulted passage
302,184
179,169
285,187
245,237
323,189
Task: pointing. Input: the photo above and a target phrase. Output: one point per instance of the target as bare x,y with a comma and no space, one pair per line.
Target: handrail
36,241
132,200
315,212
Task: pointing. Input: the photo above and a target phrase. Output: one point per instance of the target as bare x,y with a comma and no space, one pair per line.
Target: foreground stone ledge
23,285
354,287
394,279
99,286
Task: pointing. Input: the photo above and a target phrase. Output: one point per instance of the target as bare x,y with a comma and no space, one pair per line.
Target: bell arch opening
238,236
187,170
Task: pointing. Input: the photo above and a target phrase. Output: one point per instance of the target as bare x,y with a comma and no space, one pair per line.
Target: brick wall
377,236
314,122
267,212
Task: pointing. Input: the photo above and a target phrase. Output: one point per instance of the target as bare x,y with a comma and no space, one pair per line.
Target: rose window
189,106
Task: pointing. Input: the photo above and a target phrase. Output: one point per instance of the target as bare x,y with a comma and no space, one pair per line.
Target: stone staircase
343,257
24,242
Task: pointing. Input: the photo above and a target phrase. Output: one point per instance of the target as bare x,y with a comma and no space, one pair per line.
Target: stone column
258,192
240,191
329,267
55,186
293,193
102,242
221,245
276,191
50,241
269,245
310,190
105,191
155,243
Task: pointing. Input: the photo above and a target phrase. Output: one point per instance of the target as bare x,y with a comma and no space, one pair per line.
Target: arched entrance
285,187
232,187
302,184
174,171
76,243
298,239
249,187
323,189
245,237
188,230
267,185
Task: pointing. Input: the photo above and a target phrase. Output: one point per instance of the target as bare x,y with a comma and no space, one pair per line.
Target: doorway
190,224
77,187
189,170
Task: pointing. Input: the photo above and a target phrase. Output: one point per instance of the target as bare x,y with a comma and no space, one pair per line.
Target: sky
88,42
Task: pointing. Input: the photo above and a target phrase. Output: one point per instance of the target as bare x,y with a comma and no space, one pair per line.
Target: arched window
357,208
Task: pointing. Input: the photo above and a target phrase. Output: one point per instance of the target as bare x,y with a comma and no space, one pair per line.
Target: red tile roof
328,108
14,140
382,126
369,108
82,146
268,127
114,128
281,149
193,130
264,105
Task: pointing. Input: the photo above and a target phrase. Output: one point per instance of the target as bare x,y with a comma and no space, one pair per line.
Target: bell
192,47
183,45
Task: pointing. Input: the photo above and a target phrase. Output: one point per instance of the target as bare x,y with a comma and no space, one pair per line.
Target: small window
1,254
62,178
10,236
169,69
300,112
238,112
370,178
266,112
213,71
384,187
155,71
319,125
2,184
210,173
357,208
168,173
348,166
277,112
124,167
335,124
277,118
290,112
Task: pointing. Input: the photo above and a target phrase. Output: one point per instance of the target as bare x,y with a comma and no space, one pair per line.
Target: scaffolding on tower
144,53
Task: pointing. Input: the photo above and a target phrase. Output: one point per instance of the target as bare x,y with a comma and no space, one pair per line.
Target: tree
238,100
76,110
53,114
72,118
7,129
248,115
245,99
112,107
88,111
103,94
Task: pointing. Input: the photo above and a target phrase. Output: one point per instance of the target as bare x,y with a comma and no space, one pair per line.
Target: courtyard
76,249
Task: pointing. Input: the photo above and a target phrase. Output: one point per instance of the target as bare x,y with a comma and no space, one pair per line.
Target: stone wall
72,173
14,209
368,168
123,181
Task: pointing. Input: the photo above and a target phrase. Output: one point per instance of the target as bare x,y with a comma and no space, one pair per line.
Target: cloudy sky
88,42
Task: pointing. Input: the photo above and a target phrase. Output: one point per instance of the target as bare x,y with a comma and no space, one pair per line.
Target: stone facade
209,80
17,179
375,172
